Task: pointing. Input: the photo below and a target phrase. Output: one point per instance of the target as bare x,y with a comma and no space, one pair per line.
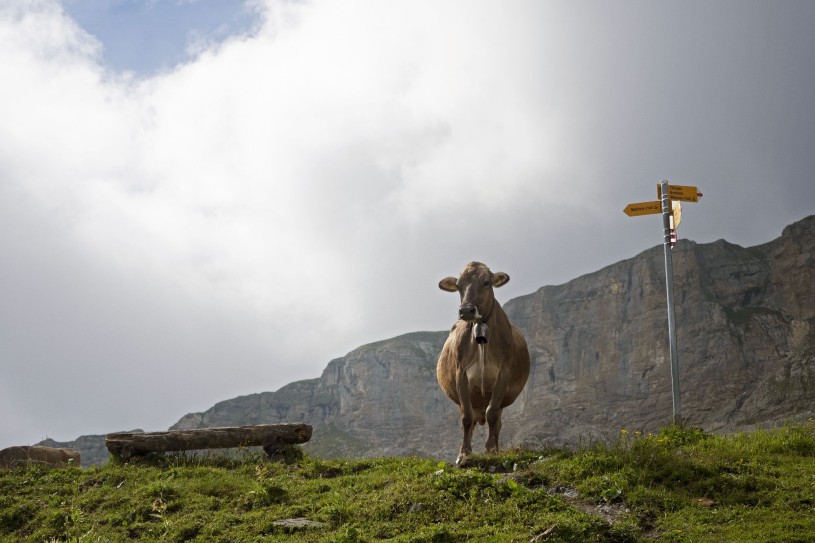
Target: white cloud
230,225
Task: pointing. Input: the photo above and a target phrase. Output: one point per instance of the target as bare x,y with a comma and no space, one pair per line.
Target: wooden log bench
272,437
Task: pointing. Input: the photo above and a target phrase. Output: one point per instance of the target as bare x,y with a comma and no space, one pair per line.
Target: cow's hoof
462,459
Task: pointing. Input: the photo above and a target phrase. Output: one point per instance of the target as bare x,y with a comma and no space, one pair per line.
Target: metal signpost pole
668,194
669,287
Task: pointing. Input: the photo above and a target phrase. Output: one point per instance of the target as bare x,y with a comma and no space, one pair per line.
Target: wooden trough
272,437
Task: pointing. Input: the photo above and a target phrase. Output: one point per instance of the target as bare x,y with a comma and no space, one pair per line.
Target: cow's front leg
494,411
467,418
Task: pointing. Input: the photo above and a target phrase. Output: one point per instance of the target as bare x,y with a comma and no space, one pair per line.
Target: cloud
298,189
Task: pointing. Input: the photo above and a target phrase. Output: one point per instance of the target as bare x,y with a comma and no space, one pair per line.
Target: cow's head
475,285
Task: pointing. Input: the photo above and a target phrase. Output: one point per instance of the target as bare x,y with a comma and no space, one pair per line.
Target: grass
679,485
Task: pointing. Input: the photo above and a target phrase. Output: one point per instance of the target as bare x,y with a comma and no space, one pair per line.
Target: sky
206,199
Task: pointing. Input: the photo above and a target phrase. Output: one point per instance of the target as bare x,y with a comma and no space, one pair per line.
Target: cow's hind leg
494,411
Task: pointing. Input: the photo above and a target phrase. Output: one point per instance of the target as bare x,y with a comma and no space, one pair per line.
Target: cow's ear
500,279
449,284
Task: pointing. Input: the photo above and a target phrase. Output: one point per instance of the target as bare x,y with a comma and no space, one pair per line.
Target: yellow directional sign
681,193
643,208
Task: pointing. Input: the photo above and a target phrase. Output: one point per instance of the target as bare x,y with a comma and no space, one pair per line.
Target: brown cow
484,363
23,456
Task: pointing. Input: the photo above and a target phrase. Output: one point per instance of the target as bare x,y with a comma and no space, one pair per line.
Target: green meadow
677,485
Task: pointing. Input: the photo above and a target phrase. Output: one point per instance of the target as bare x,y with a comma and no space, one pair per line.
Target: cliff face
380,399
745,337
745,320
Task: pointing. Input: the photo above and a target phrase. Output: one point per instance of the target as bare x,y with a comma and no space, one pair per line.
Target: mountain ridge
746,342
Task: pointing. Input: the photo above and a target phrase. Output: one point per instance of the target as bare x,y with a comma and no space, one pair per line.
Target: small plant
350,535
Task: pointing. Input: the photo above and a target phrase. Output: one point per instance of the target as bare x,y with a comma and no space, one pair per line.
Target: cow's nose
467,312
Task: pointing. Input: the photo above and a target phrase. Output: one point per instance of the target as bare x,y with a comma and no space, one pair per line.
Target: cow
484,363
49,456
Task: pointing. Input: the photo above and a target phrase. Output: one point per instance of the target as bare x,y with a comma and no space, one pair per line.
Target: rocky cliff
380,399
745,323
745,320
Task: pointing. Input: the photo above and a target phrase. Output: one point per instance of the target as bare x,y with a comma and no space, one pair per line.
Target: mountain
600,358
745,321
379,399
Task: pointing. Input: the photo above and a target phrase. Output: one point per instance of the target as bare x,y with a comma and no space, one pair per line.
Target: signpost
669,287
668,204
680,193
643,208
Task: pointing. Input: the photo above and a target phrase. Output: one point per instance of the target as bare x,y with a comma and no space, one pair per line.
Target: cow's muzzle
468,313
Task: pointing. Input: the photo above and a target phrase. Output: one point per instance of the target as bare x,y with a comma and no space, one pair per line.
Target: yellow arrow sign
643,208
681,193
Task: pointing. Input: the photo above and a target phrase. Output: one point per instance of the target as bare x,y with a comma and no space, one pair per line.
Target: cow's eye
486,283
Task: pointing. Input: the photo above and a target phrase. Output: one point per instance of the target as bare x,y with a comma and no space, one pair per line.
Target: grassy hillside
680,485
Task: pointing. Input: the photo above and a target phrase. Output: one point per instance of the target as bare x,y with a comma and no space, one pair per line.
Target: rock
299,523
15,456
91,448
